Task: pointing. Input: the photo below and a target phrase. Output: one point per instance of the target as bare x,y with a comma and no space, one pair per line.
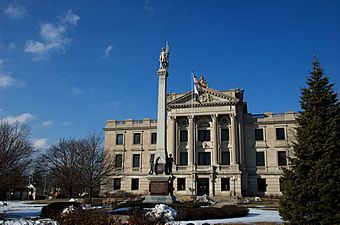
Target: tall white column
233,139
214,138
172,135
191,139
161,152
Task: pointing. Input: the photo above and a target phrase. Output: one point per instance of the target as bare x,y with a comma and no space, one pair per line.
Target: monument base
160,189
165,199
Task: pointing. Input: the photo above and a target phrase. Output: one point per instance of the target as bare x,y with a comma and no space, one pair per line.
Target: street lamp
234,178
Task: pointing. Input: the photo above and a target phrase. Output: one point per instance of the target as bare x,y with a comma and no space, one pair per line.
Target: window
204,158
153,138
280,134
180,184
225,158
203,135
119,160
183,158
281,183
261,184
225,134
135,160
134,184
282,158
260,159
116,183
119,139
225,184
136,138
259,134
183,136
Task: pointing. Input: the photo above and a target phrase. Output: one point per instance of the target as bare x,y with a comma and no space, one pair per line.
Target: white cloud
148,7
65,123
40,143
7,80
47,123
107,51
15,12
76,90
22,118
52,35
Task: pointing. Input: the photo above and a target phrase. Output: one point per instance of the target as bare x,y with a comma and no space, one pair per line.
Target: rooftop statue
164,57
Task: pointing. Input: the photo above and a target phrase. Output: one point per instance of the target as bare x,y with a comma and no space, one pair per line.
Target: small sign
158,188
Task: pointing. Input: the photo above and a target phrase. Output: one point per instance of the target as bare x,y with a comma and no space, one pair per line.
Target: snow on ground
21,209
255,215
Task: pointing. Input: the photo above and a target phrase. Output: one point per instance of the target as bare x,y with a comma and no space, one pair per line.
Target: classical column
172,137
233,139
191,140
214,140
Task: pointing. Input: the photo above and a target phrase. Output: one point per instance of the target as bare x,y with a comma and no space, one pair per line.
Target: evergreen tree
311,186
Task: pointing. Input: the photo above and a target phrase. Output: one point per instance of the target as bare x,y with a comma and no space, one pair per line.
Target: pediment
209,97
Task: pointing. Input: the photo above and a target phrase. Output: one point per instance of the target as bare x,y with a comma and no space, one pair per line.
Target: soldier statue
164,57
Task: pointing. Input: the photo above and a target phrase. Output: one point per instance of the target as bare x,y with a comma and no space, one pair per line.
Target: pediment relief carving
209,97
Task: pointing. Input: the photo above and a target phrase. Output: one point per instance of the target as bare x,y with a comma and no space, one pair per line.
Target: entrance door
202,186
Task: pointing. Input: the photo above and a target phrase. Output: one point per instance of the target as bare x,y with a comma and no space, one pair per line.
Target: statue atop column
164,57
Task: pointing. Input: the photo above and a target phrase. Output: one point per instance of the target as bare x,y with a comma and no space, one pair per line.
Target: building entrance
202,186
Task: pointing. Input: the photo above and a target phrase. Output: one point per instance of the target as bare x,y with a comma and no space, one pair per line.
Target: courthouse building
218,147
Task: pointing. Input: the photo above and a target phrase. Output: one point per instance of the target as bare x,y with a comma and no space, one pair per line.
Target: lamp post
234,179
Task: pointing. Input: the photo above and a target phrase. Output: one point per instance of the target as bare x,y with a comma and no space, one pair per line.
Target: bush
88,217
211,213
54,210
139,217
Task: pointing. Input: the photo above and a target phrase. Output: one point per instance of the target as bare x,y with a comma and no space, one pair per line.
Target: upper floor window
183,135
135,160
118,160
282,158
203,135
224,134
204,158
153,138
259,134
280,134
136,138
183,158
260,159
119,139
225,158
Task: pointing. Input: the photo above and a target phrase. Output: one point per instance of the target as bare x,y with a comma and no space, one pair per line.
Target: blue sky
67,66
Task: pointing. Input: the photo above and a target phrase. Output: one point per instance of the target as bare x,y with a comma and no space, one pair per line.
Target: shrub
211,213
88,217
54,210
139,217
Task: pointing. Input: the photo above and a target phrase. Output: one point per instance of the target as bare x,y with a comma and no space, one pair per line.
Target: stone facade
218,147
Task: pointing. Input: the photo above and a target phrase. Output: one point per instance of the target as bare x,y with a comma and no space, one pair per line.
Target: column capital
190,117
214,116
172,117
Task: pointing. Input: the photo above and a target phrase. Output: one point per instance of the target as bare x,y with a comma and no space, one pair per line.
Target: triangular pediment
209,97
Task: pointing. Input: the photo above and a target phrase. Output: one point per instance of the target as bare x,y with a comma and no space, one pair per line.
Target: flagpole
193,136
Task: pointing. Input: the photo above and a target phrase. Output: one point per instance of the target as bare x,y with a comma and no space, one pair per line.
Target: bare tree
63,165
96,166
15,154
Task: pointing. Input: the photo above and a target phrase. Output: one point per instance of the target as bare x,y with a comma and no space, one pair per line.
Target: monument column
215,140
161,181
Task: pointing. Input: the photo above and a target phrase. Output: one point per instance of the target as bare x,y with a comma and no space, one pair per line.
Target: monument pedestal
160,190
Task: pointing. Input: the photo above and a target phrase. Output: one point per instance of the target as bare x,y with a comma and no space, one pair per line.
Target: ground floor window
180,184
225,184
116,183
261,184
134,184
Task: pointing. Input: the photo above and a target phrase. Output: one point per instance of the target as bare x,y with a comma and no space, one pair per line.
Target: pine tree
311,187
